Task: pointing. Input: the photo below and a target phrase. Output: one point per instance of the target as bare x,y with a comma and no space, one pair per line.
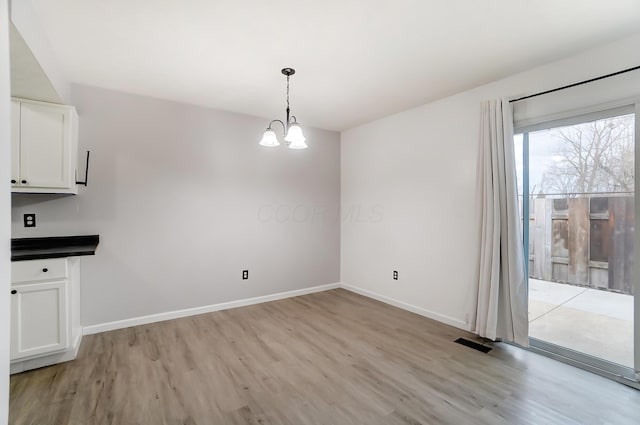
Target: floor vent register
473,345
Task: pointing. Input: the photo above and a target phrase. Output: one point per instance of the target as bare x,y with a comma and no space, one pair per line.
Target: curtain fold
500,303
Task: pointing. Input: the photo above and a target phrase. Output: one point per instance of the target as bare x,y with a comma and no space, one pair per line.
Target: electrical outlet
245,274
29,220
395,275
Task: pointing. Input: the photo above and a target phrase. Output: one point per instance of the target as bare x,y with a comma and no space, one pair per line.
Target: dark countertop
53,247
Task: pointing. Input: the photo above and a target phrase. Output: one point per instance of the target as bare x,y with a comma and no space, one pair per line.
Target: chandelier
292,131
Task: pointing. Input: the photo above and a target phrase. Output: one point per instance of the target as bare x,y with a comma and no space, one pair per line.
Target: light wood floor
328,358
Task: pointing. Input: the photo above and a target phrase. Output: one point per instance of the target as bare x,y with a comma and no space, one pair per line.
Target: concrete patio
591,321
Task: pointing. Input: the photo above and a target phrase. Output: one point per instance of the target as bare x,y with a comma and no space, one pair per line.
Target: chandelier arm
284,128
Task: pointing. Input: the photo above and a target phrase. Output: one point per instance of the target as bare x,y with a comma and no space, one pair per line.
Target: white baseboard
412,308
159,317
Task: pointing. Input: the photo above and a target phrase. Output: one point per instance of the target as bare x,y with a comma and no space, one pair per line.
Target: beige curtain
500,298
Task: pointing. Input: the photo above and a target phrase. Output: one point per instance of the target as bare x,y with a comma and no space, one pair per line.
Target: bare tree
593,157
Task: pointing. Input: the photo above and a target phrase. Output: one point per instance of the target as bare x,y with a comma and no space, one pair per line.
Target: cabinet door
39,319
44,146
15,143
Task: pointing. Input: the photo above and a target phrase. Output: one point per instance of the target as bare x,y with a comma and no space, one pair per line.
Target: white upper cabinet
15,142
44,147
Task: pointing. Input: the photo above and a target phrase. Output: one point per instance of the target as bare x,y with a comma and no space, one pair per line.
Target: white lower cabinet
39,322
45,325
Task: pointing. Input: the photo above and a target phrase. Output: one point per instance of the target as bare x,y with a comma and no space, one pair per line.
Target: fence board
621,259
578,224
541,236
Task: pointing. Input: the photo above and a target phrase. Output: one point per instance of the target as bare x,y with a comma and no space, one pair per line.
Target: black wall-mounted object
579,83
86,172
29,220
245,274
395,275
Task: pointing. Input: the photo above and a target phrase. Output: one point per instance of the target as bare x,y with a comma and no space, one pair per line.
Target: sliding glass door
577,183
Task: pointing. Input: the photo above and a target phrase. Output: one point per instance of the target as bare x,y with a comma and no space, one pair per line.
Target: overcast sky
543,151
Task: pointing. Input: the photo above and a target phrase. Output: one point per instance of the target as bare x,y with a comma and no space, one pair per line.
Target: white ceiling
356,60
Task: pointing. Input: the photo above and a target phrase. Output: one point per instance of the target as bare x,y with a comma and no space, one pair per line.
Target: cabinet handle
13,182
13,292
24,182
45,270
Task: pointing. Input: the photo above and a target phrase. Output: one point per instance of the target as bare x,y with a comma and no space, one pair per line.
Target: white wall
418,168
5,200
184,199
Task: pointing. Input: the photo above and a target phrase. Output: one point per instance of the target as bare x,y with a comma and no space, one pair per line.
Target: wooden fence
584,240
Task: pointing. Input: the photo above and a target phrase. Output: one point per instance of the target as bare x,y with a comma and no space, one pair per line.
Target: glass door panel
577,183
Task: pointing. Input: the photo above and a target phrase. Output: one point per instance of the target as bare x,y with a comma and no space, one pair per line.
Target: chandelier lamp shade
292,131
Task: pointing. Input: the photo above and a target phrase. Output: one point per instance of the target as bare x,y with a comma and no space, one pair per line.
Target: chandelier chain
287,92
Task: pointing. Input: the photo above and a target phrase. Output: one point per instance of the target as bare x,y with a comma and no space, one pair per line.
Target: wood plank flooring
327,358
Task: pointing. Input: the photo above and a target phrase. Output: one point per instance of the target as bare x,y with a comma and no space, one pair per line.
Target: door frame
627,375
